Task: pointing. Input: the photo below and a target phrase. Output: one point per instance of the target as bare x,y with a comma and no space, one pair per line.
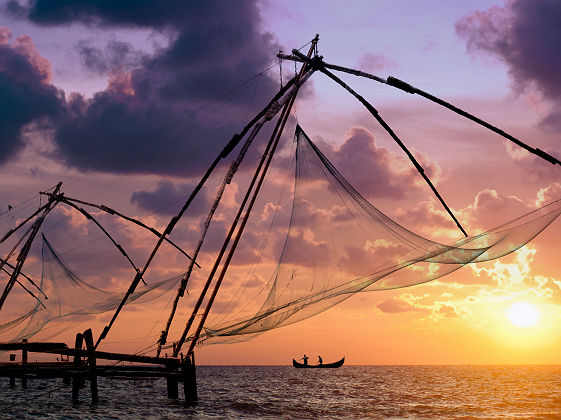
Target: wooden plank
63,349
24,362
35,347
88,338
77,378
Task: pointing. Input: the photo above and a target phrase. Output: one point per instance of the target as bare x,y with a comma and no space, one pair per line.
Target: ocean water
448,392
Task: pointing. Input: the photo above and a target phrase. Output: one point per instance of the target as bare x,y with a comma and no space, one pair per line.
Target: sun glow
523,314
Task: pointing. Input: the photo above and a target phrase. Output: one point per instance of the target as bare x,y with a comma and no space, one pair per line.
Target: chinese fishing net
339,244
69,299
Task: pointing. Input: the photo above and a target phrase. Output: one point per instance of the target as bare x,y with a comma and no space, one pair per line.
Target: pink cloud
397,305
373,62
375,171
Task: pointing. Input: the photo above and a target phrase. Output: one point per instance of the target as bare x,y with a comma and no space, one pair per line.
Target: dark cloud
375,171
137,13
115,55
168,198
526,35
213,47
26,95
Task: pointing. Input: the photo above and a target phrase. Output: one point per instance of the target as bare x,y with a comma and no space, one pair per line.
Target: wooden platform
83,367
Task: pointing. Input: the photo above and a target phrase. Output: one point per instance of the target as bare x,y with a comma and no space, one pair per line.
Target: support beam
88,338
189,373
113,212
76,377
27,246
406,87
24,362
319,65
273,110
171,225
269,156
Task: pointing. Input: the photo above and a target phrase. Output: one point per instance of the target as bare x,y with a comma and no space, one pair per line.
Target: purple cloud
526,36
26,94
213,46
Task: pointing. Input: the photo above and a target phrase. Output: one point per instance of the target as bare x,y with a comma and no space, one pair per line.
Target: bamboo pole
382,122
27,246
276,136
90,217
29,279
24,362
12,231
130,219
406,87
76,377
183,285
273,110
88,338
236,138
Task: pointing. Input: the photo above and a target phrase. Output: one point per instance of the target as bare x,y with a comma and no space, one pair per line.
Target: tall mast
268,155
53,201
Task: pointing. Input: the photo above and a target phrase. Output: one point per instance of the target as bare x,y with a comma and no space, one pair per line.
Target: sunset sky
128,102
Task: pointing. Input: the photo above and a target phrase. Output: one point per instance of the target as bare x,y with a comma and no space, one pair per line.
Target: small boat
323,365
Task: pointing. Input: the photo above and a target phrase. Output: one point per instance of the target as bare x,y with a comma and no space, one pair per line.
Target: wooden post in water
172,386
88,338
23,362
12,377
189,374
76,377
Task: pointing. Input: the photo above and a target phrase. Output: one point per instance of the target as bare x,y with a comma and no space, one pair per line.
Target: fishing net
339,244
69,298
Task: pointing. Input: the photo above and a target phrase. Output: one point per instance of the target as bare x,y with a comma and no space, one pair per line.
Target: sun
523,314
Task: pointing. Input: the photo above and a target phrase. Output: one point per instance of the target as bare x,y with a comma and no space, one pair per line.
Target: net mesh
70,299
339,244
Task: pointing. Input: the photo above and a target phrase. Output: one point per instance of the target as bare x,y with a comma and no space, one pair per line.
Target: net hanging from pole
339,244
71,299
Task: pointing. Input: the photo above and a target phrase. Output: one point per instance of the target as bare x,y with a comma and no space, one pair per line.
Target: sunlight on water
285,392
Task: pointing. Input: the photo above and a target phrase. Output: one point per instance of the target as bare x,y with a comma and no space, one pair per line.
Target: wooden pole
172,386
237,218
76,377
183,285
276,135
23,362
114,212
88,338
27,246
319,64
189,374
406,87
236,138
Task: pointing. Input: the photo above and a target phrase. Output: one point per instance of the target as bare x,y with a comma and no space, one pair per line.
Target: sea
274,392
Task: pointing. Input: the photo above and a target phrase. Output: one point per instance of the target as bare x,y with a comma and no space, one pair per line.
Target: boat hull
333,365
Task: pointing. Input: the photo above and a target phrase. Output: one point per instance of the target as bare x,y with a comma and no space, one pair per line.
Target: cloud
526,36
410,303
115,55
165,109
168,198
398,305
374,62
489,209
26,95
426,217
548,194
375,171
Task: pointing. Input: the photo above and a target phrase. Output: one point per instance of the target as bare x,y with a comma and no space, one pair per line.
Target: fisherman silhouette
305,359
320,360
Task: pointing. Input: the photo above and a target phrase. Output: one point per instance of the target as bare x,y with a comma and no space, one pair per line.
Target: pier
84,367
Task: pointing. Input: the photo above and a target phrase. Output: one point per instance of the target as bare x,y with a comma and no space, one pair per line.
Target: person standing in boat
320,360
305,359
